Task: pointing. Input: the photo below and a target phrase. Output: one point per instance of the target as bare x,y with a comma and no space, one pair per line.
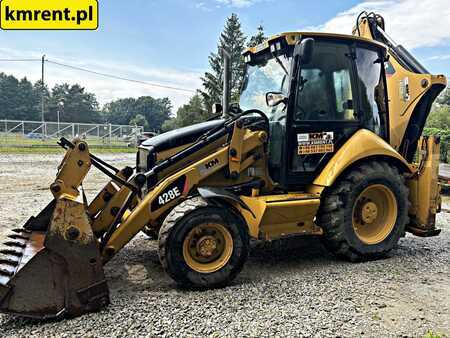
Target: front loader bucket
52,266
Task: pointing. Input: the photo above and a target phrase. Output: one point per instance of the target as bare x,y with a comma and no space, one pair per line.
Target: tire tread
332,211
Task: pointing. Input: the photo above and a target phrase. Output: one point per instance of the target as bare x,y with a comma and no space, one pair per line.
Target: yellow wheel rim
207,247
374,214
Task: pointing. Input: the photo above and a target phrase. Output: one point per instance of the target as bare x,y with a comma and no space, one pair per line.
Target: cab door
339,92
324,113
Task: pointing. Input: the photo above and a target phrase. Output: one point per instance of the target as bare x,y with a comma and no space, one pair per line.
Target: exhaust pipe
226,81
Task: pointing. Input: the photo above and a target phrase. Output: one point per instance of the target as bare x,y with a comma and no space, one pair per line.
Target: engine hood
179,137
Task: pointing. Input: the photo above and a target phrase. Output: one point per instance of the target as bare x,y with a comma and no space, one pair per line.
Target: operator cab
315,103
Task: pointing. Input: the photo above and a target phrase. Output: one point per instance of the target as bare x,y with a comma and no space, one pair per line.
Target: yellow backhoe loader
325,141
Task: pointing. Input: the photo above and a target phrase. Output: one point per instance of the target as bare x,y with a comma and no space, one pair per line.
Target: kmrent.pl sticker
48,14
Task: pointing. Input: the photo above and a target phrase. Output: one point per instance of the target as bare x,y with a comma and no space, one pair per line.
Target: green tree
444,134
233,40
438,124
439,118
122,111
258,38
139,120
21,100
155,111
74,104
444,98
119,111
41,93
18,100
188,114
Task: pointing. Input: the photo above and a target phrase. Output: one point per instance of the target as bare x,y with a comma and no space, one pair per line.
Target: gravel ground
287,288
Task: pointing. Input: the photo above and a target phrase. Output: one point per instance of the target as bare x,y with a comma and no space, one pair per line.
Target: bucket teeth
15,244
21,231
9,261
12,252
7,271
17,236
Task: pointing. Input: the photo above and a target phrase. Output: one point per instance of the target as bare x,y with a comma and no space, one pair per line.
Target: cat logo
212,164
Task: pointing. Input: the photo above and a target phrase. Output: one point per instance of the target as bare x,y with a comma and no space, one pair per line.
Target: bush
444,134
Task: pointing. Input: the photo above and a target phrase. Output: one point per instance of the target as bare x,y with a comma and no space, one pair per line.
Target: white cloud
211,5
203,6
440,57
413,23
238,3
106,89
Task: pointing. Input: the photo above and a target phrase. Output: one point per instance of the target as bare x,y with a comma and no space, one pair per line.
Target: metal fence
22,132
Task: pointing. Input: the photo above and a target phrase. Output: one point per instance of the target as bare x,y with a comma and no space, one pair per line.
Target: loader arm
168,193
61,252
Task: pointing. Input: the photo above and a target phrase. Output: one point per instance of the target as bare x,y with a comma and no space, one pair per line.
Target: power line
19,60
152,84
121,78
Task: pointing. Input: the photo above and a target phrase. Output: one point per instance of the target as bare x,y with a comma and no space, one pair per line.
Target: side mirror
305,50
217,109
273,99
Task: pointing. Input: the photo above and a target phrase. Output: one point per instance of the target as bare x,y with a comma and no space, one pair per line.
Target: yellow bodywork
277,216
70,214
364,144
423,186
72,171
401,107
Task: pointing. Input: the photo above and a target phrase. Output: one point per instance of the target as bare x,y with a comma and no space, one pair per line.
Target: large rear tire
365,213
202,245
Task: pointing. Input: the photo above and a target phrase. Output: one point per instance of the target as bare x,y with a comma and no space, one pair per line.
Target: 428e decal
171,193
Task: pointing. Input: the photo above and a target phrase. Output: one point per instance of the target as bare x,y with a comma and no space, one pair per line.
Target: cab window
325,91
372,90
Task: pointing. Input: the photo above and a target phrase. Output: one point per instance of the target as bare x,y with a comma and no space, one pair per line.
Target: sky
168,41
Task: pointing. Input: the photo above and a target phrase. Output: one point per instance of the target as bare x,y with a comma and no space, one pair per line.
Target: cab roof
292,37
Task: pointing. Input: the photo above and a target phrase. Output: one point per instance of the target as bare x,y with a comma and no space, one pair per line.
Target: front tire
365,213
202,245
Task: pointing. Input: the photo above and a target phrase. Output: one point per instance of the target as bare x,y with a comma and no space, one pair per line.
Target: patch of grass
58,150
431,334
18,144
11,140
376,316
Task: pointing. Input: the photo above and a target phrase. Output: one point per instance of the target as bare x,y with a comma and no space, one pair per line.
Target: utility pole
44,131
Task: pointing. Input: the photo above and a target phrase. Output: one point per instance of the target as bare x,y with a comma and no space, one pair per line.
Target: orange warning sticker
315,149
